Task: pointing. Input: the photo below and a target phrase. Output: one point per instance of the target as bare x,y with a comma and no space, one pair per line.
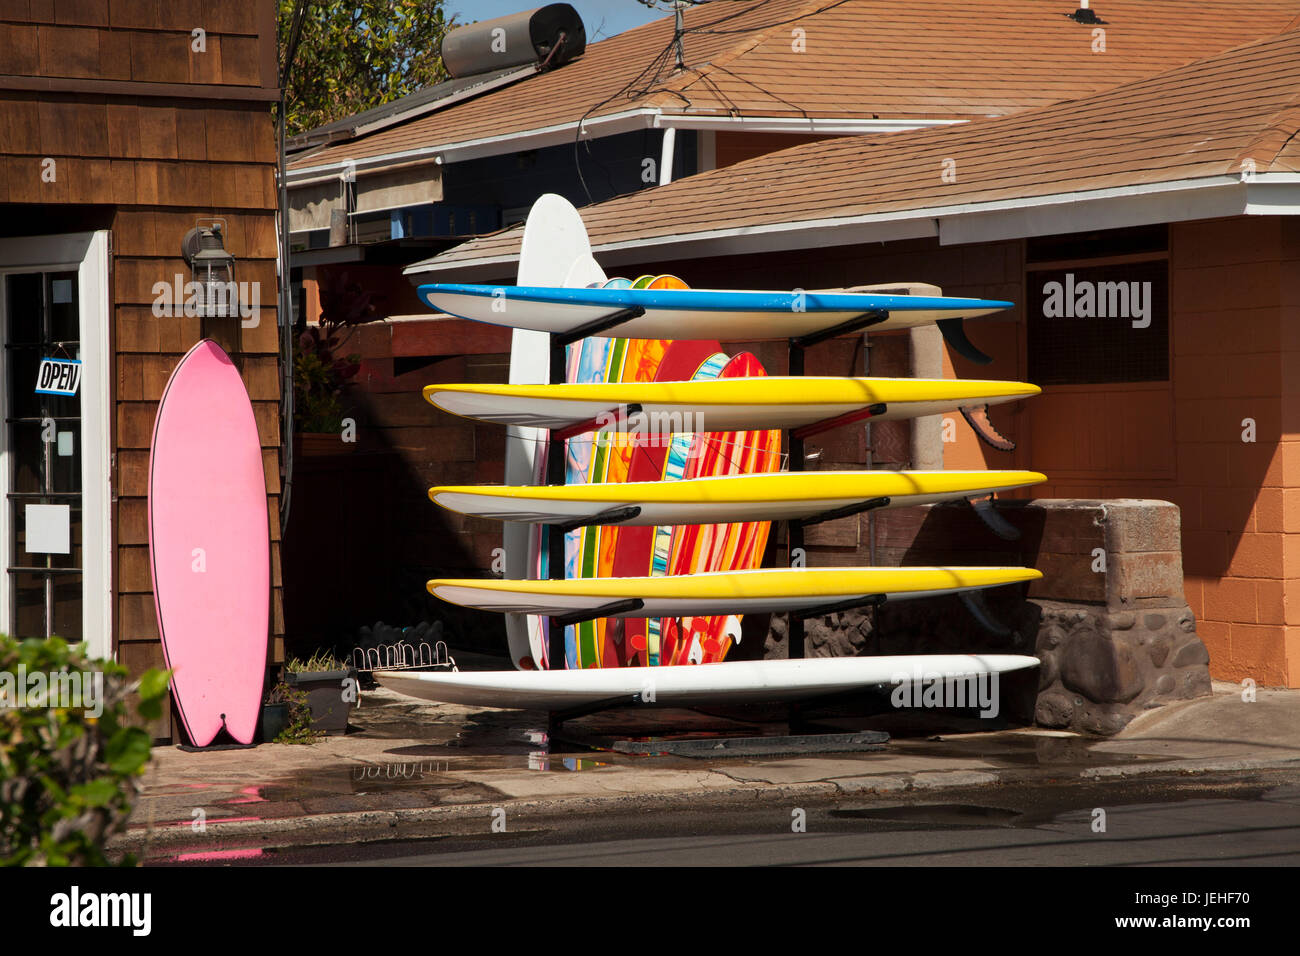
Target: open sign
58,377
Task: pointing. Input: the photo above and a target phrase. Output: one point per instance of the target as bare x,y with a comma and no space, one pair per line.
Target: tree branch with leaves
358,55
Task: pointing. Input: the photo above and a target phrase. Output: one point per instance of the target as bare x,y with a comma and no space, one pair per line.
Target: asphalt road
1240,819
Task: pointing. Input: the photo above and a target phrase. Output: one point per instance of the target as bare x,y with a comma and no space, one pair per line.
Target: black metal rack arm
610,516
867,600
794,529
605,610
856,508
855,324
848,418
595,327
621,416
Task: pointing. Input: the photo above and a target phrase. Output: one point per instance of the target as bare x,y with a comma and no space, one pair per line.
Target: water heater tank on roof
548,36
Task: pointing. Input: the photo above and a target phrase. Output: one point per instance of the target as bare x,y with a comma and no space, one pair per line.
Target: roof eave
613,124
1208,197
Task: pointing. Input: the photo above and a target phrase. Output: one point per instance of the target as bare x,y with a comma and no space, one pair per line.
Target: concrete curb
363,826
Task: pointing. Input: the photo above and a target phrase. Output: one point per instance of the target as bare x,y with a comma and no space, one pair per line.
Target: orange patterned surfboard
720,547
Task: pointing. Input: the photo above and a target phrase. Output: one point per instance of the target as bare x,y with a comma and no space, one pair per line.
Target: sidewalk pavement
410,768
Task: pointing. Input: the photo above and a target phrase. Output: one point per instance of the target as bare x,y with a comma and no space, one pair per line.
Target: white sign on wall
49,529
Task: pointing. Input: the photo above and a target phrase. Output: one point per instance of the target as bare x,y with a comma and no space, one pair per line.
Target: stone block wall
1108,619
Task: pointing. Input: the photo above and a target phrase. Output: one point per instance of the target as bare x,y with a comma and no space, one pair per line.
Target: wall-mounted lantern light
212,270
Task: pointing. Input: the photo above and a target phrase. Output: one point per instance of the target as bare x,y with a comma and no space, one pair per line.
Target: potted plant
286,717
319,380
321,372
275,712
331,688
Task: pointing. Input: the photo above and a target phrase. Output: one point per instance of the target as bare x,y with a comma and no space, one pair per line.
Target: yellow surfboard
718,405
776,496
720,592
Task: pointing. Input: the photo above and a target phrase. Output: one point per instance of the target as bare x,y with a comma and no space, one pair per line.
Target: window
1102,314
54,524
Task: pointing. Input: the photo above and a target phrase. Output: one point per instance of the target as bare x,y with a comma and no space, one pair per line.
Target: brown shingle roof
864,59
1201,120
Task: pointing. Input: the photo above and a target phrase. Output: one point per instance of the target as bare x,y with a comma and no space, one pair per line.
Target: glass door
43,437
56,487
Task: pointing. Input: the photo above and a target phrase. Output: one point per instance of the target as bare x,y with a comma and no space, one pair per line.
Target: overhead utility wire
655,69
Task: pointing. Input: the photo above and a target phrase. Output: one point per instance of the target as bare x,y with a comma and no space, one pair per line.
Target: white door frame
88,253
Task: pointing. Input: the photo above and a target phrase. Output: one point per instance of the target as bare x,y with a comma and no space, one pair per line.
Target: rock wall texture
1108,620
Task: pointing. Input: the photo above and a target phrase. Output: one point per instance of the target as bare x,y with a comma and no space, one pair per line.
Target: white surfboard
698,313
729,682
778,496
555,251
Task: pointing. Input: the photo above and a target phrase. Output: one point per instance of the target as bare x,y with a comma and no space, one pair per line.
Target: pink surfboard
209,546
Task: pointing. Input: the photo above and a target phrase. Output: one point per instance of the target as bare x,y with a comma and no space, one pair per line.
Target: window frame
89,254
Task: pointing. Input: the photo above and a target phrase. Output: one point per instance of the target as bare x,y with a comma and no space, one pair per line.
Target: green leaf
96,793
153,684
355,56
153,692
127,751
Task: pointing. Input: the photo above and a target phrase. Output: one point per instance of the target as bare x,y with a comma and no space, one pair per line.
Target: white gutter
1273,194
825,126
1204,198
493,145
611,125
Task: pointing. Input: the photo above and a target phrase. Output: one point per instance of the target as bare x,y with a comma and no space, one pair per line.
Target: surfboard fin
999,525
977,416
974,602
955,335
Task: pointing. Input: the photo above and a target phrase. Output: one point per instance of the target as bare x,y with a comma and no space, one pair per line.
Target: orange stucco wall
1235,358
1234,347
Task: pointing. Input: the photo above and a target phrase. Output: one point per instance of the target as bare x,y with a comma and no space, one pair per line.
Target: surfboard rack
855,324
621,415
561,621
845,511
954,333
848,418
869,600
610,516
596,326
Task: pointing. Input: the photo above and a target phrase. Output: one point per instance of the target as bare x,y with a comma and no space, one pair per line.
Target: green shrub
68,774
298,729
319,661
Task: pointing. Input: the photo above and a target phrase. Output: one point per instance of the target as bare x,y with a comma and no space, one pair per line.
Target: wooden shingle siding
134,119
141,42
